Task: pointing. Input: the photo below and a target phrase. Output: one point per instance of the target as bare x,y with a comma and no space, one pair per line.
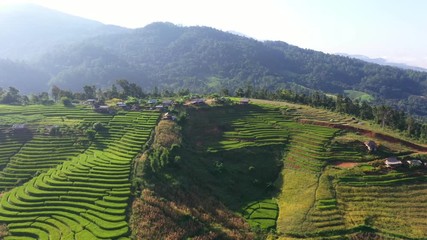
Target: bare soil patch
346,164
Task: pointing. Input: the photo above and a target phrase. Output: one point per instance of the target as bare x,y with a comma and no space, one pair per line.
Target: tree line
385,115
122,89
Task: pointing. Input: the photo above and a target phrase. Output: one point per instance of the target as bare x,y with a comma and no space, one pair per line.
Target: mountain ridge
206,60
28,31
383,61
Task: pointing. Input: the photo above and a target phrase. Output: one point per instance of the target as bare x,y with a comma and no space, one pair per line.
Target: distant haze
389,29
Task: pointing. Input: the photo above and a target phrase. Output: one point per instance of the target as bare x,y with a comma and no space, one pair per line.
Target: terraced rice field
240,130
306,203
37,155
55,188
252,127
262,214
319,201
8,148
396,210
75,195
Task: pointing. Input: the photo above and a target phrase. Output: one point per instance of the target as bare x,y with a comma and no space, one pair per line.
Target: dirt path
368,133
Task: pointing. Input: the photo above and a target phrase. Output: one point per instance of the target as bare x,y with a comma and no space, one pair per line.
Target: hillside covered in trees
205,60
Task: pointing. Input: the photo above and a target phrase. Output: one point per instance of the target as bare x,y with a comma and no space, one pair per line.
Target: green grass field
357,95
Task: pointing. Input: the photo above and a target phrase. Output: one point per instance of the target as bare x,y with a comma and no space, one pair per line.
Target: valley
227,169
129,120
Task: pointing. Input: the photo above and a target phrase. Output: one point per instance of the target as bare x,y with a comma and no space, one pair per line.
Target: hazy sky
391,29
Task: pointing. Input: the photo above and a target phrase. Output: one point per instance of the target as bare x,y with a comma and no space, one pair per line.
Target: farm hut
104,109
414,163
167,116
244,101
152,101
90,101
167,103
371,145
198,101
121,104
392,162
159,107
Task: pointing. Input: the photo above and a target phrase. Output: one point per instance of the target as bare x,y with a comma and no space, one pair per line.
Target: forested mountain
23,76
28,31
382,61
205,60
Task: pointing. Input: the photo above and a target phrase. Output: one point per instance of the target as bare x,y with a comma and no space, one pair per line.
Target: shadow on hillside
22,135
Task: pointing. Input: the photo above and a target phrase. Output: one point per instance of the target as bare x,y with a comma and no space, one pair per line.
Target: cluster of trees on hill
122,89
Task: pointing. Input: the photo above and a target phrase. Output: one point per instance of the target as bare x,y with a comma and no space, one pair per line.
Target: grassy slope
361,96
180,201
303,169
327,208
314,201
241,173
231,156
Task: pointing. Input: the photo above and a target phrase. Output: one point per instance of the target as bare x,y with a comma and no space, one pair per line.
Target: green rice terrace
68,186
263,170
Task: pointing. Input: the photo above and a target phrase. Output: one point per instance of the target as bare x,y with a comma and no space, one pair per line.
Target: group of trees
12,96
123,89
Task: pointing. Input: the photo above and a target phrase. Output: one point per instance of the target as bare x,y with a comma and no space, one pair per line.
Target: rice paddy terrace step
83,198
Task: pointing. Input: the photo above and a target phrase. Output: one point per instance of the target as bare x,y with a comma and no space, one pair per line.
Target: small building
104,109
159,107
167,116
392,162
152,101
121,104
414,163
371,146
244,101
167,103
90,101
198,101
